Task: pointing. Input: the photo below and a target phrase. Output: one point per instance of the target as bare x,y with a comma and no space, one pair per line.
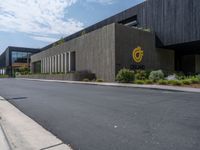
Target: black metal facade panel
23,49
174,21
3,60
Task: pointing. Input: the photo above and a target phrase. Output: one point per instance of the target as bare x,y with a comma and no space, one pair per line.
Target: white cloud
106,2
41,17
45,39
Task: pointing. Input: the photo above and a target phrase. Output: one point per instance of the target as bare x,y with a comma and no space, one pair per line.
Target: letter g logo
138,54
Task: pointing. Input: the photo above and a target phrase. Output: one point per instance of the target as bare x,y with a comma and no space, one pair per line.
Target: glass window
73,61
20,57
131,22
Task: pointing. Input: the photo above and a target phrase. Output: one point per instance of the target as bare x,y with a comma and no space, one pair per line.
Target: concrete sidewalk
4,145
23,133
156,87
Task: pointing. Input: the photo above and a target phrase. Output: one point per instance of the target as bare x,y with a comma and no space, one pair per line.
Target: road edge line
153,87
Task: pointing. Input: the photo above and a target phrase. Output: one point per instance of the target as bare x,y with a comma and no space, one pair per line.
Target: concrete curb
23,133
4,144
155,87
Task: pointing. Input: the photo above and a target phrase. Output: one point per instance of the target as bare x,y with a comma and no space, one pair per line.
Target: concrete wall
127,39
107,50
95,52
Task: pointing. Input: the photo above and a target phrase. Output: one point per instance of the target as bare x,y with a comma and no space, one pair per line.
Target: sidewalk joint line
52,146
6,138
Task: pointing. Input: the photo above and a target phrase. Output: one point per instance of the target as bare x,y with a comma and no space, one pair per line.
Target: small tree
61,41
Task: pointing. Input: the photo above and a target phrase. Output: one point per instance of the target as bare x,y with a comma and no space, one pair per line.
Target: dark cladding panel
3,60
174,21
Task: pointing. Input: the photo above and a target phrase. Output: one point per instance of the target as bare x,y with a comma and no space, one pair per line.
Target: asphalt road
109,118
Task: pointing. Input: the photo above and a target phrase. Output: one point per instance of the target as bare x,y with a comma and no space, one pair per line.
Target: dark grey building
156,34
14,58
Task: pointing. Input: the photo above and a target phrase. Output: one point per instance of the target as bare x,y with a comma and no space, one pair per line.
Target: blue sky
37,23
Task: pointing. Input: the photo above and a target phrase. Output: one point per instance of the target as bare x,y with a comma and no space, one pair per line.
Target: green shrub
163,82
175,82
187,81
86,80
139,82
125,76
156,75
99,80
140,75
61,41
171,81
149,82
3,76
180,75
22,71
194,80
17,73
198,77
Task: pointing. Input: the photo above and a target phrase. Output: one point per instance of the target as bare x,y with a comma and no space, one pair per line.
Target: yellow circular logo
138,54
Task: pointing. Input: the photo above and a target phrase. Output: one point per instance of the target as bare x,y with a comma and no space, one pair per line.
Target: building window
37,67
130,22
72,60
20,57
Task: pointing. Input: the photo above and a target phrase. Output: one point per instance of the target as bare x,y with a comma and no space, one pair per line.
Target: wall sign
138,54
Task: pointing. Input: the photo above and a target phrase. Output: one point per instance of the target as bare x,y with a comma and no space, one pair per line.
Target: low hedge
4,76
73,76
149,82
163,82
195,80
175,82
99,80
187,82
139,82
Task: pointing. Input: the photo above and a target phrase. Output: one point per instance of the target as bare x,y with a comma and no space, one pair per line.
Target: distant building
14,58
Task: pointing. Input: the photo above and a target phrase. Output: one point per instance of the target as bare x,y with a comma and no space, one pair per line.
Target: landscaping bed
4,76
157,78
193,86
74,76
